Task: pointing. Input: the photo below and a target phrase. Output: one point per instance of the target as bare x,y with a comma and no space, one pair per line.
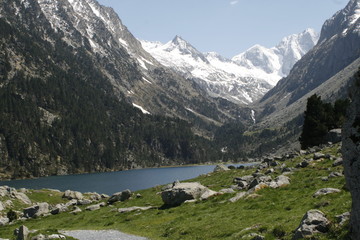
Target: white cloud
234,2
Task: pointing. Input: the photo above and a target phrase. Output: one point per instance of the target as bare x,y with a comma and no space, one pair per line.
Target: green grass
274,213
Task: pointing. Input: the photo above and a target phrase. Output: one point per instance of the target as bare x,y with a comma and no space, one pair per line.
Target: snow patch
142,63
141,108
123,42
146,80
253,116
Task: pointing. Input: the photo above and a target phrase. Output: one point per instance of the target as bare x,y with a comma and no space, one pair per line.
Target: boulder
238,196
335,174
4,221
221,168
343,218
247,178
84,202
227,190
132,209
120,196
73,195
104,196
22,197
93,207
1,206
95,197
36,210
313,222
180,192
326,191
338,162
59,208
56,236
269,171
76,210
351,155
280,181
319,155
303,164
22,233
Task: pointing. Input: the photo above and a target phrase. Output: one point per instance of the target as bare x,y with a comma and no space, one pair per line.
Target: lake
112,182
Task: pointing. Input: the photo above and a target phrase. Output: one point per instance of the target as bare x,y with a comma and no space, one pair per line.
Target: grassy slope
280,209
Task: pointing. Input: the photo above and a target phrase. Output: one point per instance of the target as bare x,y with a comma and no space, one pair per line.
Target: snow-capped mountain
325,70
243,79
134,74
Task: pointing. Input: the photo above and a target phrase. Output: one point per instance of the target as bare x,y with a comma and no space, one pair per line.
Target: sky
228,27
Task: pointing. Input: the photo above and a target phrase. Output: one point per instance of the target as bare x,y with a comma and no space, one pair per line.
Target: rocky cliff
351,154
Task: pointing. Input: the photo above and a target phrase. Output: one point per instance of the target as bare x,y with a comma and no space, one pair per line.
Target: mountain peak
342,21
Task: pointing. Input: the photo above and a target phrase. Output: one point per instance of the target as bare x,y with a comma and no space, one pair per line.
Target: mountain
326,70
79,94
337,50
243,79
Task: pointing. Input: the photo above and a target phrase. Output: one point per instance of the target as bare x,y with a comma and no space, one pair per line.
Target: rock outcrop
120,196
351,155
313,222
178,193
36,210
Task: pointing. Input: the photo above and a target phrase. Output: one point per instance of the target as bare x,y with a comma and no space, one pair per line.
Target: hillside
265,211
79,94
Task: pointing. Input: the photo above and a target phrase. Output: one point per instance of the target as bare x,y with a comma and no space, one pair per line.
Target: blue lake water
112,182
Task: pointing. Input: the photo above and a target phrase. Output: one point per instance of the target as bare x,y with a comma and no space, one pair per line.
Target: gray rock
269,171
1,206
280,181
93,207
238,196
220,168
76,210
181,192
243,185
39,237
257,181
36,210
84,202
326,191
313,222
22,233
95,197
73,195
303,152
338,162
303,164
4,221
120,196
335,174
56,236
287,169
343,218
22,197
227,190
351,155
132,209
319,155
104,196
247,178
59,208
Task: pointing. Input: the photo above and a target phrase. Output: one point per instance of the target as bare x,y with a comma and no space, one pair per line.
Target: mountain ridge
244,78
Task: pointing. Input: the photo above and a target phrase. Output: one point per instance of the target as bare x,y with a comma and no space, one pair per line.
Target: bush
11,215
279,232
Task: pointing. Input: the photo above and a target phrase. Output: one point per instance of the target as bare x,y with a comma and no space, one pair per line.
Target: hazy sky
224,26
